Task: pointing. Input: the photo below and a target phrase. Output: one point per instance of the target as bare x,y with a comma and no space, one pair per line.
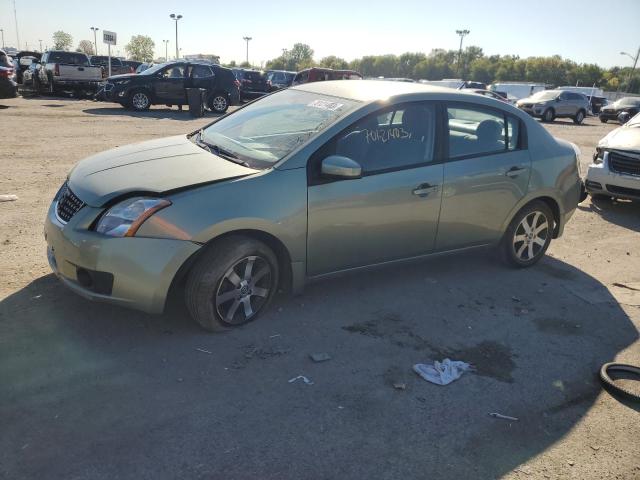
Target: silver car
551,104
615,171
303,184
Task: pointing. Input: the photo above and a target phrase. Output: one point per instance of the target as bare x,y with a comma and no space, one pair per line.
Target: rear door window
201,71
475,131
175,71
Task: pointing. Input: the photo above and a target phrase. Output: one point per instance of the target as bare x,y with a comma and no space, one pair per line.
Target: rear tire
218,103
579,117
528,236
603,120
231,283
549,115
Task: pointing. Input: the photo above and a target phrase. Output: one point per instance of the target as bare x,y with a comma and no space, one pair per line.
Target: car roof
373,90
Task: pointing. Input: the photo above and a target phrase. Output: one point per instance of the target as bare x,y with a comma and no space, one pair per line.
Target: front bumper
608,115
77,84
601,180
132,272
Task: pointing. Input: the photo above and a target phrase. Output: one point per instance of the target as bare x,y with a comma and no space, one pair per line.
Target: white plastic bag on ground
442,373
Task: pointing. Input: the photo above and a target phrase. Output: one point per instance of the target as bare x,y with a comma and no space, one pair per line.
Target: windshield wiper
215,149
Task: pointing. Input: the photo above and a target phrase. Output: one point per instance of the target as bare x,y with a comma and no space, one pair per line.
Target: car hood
623,138
124,76
156,166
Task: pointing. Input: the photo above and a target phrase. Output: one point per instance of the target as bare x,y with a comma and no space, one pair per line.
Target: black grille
632,192
68,204
623,164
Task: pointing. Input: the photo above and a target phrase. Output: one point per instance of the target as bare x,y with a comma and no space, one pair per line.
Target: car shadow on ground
96,390
625,213
153,112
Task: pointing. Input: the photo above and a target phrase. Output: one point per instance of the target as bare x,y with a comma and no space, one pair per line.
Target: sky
586,31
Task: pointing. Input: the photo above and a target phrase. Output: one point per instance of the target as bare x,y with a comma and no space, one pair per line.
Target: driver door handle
513,172
425,189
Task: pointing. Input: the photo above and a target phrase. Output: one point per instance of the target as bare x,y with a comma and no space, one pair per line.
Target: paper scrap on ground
8,198
304,379
442,373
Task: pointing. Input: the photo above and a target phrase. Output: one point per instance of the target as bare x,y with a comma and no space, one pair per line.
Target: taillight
56,70
6,73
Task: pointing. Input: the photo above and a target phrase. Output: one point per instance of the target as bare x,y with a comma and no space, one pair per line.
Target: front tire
528,236
549,115
232,283
139,101
603,120
579,117
218,103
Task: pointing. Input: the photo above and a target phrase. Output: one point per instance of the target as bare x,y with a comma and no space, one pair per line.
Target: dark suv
253,83
166,84
628,105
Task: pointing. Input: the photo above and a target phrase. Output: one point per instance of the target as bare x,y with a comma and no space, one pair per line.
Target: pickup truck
117,65
60,71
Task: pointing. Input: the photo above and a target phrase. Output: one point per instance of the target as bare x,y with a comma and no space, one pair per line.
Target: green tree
245,64
62,40
140,48
300,57
334,62
86,46
407,63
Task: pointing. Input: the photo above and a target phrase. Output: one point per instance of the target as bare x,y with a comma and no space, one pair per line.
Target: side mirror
337,166
558,99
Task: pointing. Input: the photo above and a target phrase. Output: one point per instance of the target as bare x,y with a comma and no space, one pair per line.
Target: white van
517,90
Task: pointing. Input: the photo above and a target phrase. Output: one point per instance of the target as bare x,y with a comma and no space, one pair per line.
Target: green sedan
303,184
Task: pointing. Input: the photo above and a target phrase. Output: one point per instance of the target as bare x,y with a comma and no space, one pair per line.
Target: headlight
539,105
598,156
124,219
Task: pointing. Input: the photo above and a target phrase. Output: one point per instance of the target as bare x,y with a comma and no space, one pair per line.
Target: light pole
15,16
40,45
247,39
635,62
2,32
176,18
95,41
462,33
166,52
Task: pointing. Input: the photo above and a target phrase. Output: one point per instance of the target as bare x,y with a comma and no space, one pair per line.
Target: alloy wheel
243,290
531,236
140,101
219,103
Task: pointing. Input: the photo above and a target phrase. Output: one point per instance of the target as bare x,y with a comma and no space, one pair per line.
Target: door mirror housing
558,99
337,166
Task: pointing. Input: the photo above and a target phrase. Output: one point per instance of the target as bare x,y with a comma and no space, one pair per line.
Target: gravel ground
91,391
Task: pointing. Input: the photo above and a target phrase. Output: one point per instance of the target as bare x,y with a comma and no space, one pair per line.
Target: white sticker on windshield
325,105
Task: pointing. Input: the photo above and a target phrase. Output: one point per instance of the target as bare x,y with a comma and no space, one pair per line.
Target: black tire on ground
603,120
209,281
517,243
549,115
139,100
579,117
610,385
218,102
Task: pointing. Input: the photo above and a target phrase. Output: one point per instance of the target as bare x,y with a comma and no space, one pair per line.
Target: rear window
253,75
104,61
68,57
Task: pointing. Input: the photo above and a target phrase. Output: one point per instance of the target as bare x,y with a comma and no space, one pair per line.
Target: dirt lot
94,391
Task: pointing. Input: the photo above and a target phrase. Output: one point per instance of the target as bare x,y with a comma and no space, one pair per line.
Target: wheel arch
551,202
279,249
